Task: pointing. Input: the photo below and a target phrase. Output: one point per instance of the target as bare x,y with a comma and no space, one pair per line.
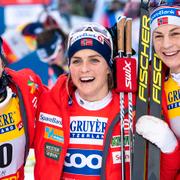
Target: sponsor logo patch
87,130
54,134
50,119
90,35
116,156
173,99
7,129
52,151
116,141
84,162
20,125
163,12
33,86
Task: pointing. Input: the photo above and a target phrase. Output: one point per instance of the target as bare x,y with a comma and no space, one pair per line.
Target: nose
167,42
85,67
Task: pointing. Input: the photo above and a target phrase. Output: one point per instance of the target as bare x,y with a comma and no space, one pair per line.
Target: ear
108,70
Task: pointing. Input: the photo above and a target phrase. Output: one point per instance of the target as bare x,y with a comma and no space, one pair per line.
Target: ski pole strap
107,142
24,118
106,147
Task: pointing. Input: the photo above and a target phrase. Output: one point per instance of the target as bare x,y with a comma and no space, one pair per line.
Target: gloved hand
158,132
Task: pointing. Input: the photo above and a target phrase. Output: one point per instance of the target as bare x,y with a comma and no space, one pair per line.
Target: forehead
86,53
166,28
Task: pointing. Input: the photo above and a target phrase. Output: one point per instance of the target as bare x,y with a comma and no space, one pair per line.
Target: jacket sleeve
35,89
170,164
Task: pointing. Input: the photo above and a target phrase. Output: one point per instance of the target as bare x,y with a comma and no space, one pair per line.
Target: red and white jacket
17,122
74,143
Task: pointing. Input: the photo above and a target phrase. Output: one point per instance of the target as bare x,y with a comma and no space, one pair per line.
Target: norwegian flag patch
178,12
163,20
87,42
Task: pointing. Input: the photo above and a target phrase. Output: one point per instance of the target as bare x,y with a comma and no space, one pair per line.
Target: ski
155,110
139,158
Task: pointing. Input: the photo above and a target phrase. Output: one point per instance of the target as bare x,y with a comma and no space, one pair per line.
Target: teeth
170,53
87,78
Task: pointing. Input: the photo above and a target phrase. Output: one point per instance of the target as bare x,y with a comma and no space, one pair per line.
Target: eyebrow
176,28
91,56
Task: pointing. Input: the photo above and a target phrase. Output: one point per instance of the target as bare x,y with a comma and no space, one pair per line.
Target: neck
176,77
91,97
93,105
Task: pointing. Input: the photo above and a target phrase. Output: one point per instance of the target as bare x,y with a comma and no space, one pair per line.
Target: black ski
139,159
155,110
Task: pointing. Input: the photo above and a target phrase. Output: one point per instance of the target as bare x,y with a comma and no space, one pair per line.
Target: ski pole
130,105
120,35
126,83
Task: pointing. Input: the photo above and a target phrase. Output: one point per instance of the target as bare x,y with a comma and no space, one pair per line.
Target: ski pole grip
129,36
120,34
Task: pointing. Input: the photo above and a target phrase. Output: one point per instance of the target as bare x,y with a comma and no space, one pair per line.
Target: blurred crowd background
35,31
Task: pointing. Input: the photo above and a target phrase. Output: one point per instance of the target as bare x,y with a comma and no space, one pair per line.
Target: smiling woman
166,36
165,28
90,61
89,72
87,104
166,40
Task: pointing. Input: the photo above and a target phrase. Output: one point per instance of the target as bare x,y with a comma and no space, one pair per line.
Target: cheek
157,48
74,73
103,74
156,45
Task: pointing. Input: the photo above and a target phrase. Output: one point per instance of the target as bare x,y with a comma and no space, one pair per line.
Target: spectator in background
48,46
51,50
21,41
132,10
30,32
65,11
107,12
88,6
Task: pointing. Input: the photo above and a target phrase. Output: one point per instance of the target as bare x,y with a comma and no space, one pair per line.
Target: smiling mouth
87,79
171,53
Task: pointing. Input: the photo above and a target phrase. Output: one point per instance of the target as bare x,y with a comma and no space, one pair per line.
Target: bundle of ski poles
125,83
143,164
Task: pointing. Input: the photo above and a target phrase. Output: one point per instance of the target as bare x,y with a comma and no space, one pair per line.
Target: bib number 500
5,155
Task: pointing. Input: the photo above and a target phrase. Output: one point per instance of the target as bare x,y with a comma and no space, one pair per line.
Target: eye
75,61
94,60
158,36
175,33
